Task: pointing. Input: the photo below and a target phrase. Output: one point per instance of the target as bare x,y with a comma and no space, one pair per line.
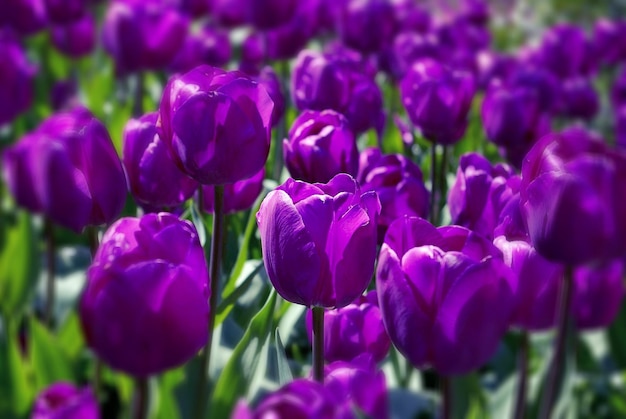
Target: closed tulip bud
479,193
63,400
570,197
399,184
65,11
196,8
563,50
269,14
24,16
367,25
269,80
445,295
238,196
230,13
320,146
319,240
17,81
437,100
608,40
618,90
216,124
209,46
68,170
75,39
578,99
598,294
145,307
353,330
153,177
143,34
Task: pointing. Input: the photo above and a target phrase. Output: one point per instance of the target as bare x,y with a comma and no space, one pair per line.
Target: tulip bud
598,294
17,81
238,196
367,25
62,400
65,11
27,17
75,39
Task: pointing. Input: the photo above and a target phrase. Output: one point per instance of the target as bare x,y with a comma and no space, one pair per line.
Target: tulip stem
318,344
433,184
214,268
446,397
51,268
92,238
141,398
558,357
520,403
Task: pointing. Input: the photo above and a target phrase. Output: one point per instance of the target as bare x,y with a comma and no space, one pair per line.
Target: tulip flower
63,400
366,25
608,40
65,11
238,196
598,294
68,170
153,177
578,99
320,145
145,306
26,17
216,124
269,80
563,50
445,295
209,46
17,81
75,39
319,240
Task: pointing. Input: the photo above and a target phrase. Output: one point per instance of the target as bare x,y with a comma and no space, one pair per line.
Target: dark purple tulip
299,399
230,13
65,11
287,40
399,184
409,47
319,240
269,80
570,197
17,81
145,307
494,67
253,52
411,16
75,39
445,294
367,25
598,294
320,145
479,193
24,16
461,34
68,170
354,330
437,100
578,99
268,14
63,94
143,34
63,400
238,196
209,46
539,80
563,50
153,177
618,90
608,40
359,384
620,127
196,8
217,124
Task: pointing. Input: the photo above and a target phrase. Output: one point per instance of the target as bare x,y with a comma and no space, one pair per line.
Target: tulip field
326,209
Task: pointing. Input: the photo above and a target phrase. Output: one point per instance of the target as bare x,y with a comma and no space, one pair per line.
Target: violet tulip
24,16
320,145
437,100
269,80
571,190
154,179
353,330
238,196
145,307
445,295
563,50
367,25
63,400
75,39
209,46
65,11
598,294
578,99
17,81
399,184
216,124
319,240
68,170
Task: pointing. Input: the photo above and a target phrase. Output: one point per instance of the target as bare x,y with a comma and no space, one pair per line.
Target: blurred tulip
145,307
238,196
269,80
209,46
62,400
75,39
609,37
65,11
17,81
25,16
578,99
367,25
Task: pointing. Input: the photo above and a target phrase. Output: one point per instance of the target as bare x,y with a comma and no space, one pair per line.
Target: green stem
51,268
92,238
318,344
281,129
446,397
140,405
215,263
558,357
520,403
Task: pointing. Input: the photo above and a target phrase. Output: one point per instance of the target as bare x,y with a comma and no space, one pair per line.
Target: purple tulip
253,52
62,400
319,240
24,16
353,330
411,16
216,124
64,94
618,90
145,306
480,192
268,14
300,398
540,81
230,13
153,177
65,11
75,39
598,294
238,196
68,170
570,197
143,34
17,81
287,40
269,80
209,46
563,50
367,25
578,99
437,100
620,127
608,40
320,146
196,8
494,67
409,47
399,184
445,295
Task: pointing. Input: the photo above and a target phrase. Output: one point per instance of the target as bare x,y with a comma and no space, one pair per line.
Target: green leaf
167,406
19,260
70,336
16,396
235,379
617,338
198,222
50,362
227,304
284,372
